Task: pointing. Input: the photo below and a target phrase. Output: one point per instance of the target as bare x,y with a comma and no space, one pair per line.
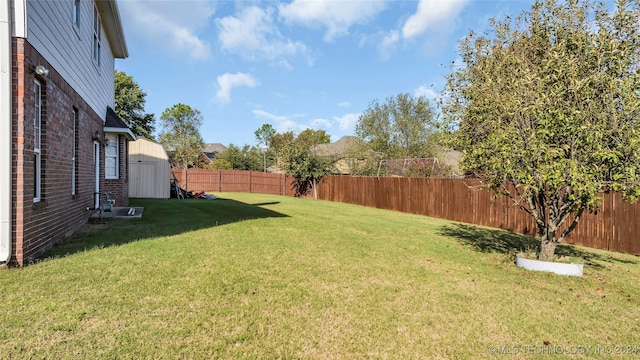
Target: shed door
144,180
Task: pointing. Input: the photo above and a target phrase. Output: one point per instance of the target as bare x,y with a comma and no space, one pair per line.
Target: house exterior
66,146
209,151
340,152
149,170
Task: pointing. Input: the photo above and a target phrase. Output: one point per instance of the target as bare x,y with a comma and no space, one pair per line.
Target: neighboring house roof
338,149
213,148
113,27
210,150
114,124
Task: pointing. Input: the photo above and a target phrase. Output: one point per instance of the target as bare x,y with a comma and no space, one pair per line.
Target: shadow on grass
267,203
489,240
162,218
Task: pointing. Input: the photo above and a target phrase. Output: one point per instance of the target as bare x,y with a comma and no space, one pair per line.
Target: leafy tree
181,134
281,140
306,168
245,158
404,126
306,139
296,158
264,134
220,164
399,128
130,100
309,138
547,110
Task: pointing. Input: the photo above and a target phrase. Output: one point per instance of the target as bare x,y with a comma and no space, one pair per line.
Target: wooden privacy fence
614,227
232,181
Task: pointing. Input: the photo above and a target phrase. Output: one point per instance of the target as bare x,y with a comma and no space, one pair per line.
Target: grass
260,276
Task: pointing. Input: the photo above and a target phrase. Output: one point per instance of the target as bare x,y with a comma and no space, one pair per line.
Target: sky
296,65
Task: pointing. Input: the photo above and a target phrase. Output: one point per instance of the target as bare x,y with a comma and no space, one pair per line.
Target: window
74,154
37,142
76,13
111,161
97,33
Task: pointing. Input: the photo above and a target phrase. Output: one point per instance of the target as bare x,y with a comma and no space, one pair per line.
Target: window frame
74,153
97,37
37,141
109,140
76,13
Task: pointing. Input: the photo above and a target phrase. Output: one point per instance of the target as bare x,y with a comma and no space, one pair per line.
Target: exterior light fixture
39,70
42,71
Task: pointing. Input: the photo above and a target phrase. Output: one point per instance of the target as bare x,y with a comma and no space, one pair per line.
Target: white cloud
424,91
386,45
344,123
344,104
265,115
228,81
169,24
282,123
254,36
337,16
431,14
321,124
347,121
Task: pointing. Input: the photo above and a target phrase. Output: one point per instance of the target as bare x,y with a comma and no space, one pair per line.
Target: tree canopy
400,127
404,126
546,109
181,134
306,139
130,101
245,158
264,134
296,158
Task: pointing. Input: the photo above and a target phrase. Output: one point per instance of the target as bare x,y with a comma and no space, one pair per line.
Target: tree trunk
315,191
547,249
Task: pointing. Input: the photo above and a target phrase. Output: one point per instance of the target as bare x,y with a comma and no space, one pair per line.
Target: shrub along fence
614,227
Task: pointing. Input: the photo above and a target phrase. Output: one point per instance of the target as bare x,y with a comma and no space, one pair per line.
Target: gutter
124,131
6,195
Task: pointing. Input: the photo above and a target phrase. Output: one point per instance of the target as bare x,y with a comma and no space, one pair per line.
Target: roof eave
113,27
124,131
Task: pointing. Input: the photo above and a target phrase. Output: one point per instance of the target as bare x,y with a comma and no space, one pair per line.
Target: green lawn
261,276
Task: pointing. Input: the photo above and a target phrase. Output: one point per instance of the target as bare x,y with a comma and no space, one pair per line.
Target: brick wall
119,188
39,225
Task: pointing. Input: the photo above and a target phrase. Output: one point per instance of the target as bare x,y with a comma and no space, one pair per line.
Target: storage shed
148,170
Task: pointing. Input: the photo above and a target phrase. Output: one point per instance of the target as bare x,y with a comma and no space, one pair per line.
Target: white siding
68,48
5,133
18,23
148,170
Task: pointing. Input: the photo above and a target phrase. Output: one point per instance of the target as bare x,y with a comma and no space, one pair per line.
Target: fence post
186,179
219,180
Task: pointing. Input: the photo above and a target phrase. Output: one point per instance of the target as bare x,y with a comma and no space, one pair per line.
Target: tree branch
573,225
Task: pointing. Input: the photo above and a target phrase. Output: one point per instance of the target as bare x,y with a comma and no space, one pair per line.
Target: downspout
5,132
